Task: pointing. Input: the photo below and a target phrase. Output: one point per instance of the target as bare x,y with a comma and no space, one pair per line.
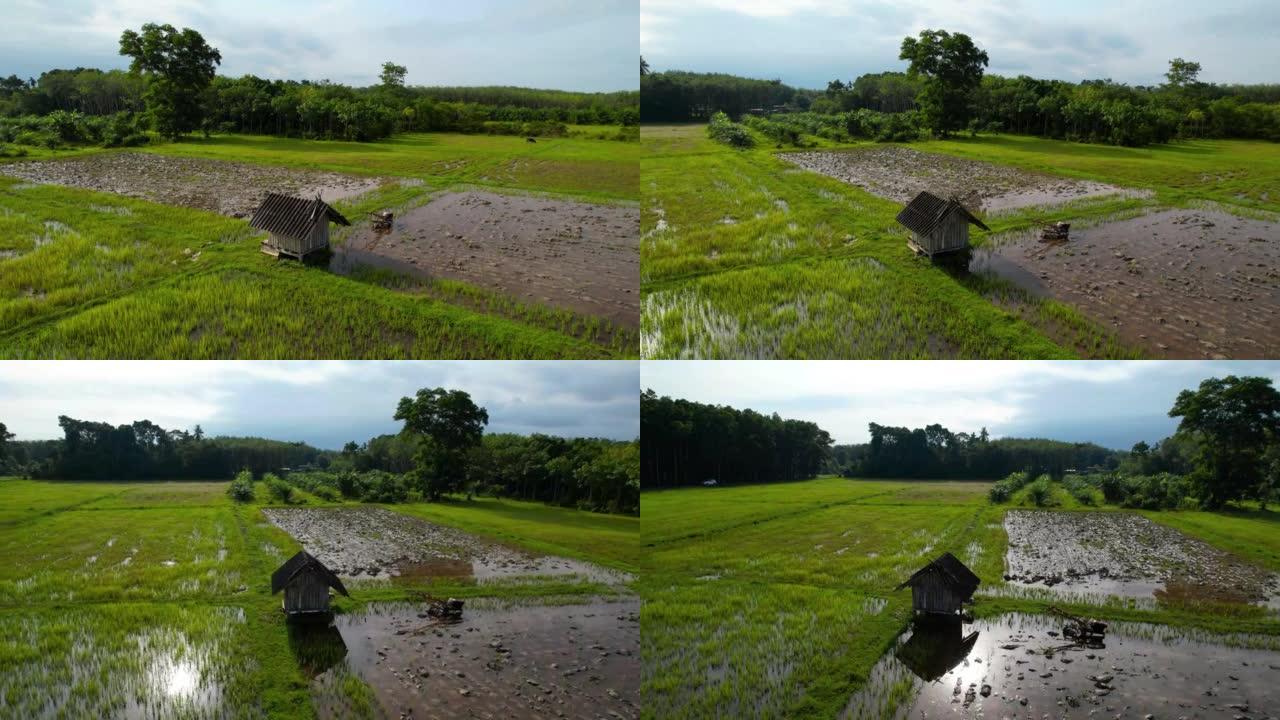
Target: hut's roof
951,569
292,216
923,214
281,578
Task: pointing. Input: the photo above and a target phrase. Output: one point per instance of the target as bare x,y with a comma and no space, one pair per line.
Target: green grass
746,255
81,627
778,600
97,275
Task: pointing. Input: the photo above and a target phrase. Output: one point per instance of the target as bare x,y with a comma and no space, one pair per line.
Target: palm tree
644,67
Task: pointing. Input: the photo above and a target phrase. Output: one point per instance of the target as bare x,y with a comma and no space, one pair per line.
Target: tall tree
1233,419
952,68
644,67
392,75
5,437
178,67
1182,73
449,424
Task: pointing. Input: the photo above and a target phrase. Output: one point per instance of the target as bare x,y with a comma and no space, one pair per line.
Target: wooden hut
295,227
941,587
940,226
305,582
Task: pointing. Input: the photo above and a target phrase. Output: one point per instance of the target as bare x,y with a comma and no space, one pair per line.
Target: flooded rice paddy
1104,554
900,173
79,664
1019,666
227,188
569,661
579,256
375,543
1178,283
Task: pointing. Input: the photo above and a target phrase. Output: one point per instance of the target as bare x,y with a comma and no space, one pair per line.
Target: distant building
940,226
941,587
295,227
305,582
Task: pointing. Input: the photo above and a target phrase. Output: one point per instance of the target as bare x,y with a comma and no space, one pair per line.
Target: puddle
228,188
1096,555
368,542
1180,283
579,256
572,661
1018,666
900,173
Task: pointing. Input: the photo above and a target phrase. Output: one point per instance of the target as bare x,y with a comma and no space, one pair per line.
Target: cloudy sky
808,42
1114,404
322,403
587,45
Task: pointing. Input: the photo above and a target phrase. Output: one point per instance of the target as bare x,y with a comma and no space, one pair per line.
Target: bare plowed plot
228,188
579,256
1180,283
900,173
1111,553
571,661
370,542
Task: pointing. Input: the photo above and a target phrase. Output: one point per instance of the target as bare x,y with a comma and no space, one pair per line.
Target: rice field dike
780,600
153,599
773,252
147,253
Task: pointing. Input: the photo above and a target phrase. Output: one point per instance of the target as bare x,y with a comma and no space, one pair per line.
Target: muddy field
571,661
900,173
1019,667
580,256
372,542
1111,553
1179,283
228,188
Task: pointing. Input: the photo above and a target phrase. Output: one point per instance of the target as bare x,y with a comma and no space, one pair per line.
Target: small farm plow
1081,630
381,220
1056,231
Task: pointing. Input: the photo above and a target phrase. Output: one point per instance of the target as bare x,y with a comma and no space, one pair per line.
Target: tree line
442,449
172,87
946,90
934,452
688,443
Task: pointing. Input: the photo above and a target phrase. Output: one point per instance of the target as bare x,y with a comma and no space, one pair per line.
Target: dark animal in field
532,140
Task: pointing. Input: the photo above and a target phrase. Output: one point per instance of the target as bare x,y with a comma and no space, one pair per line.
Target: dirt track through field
579,256
1179,283
228,188
372,542
900,173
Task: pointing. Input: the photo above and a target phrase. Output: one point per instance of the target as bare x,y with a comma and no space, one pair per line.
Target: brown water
579,256
1018,666
572,661
900,173
1177,283
372,542
1100,555
228,188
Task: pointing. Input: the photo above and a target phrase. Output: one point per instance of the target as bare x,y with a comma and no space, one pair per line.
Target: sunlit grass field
777,600
156,595
97,275
746,255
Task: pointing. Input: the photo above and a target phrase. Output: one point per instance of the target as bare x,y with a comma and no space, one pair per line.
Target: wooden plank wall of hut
932,594
307,592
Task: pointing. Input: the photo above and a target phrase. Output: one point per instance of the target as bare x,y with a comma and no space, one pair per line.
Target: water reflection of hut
305,582
316,647
295,227
936,645
940,226
941,587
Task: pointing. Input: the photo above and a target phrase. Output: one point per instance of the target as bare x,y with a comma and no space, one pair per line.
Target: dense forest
689,443
442,450
934,452
1098,111
172,88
